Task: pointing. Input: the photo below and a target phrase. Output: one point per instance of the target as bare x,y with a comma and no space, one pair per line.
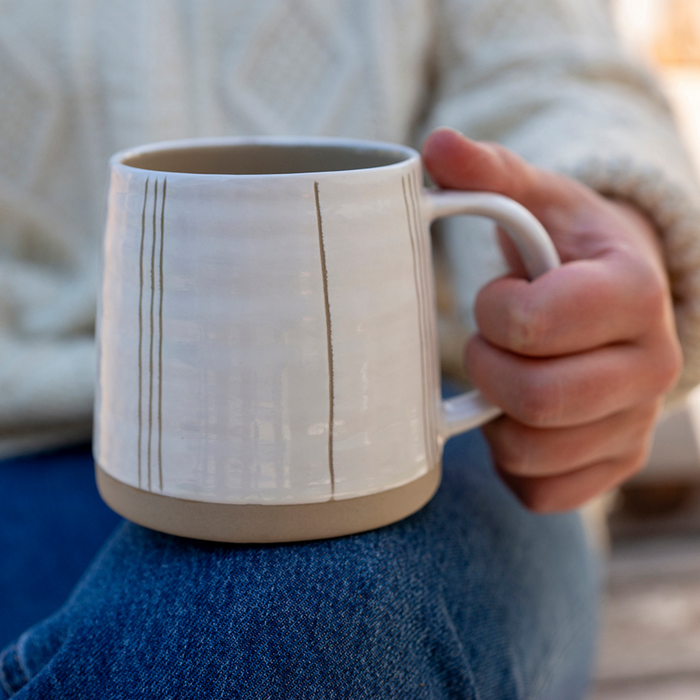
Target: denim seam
453,629
3,677
3,680
436,568
545,677
20,657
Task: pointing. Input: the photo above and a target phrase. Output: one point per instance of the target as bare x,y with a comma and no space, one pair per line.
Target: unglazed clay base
221,522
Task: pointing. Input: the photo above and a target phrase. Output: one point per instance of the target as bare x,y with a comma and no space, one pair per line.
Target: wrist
643,226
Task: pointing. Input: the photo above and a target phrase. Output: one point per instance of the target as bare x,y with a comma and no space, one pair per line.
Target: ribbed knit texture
80,79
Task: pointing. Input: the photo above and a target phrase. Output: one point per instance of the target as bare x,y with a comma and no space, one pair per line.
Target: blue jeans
472,597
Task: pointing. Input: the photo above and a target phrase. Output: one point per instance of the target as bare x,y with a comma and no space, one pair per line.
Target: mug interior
264,159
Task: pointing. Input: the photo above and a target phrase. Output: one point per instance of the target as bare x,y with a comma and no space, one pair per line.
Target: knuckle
539,497
667,367
505,155
653,304
634,463
629,463
527,326
647,417
537,399
522,176
651,293
511,449
674,365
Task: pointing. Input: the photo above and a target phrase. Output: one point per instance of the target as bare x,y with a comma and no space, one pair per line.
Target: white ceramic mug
268,361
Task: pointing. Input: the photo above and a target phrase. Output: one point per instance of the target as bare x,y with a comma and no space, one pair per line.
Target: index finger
582,305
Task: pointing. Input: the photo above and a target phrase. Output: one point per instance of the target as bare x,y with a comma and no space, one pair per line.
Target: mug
267,347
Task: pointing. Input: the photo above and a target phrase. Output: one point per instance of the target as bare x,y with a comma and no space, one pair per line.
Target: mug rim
386,147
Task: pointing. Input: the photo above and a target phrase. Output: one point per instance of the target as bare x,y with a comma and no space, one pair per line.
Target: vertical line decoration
427,311
140,408
155,413
421,333
324,275
150,358
160,340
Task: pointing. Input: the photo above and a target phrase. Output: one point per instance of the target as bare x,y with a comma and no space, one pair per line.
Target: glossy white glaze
269,338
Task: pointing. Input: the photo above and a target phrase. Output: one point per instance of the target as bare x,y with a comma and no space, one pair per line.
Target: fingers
582,305
555,494
579,358
456,162
558,392
522,451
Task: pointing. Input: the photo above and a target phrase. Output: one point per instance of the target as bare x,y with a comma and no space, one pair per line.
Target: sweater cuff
674,208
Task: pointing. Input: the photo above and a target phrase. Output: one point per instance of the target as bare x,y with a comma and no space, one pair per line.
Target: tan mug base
223,522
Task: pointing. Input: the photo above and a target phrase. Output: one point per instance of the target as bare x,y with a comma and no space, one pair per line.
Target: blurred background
650,643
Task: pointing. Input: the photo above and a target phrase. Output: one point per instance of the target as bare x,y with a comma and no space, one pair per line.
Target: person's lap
52,523
472,597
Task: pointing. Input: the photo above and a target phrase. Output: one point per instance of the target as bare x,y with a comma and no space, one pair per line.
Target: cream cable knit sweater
80,79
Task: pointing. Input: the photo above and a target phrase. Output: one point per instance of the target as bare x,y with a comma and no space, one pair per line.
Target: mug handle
471,409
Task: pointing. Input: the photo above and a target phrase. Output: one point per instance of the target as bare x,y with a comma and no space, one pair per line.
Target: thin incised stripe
426,438
160,341
324,275
430,311
143,237
425,312
150,363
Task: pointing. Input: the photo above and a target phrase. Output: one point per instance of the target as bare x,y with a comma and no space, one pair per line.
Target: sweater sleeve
548,79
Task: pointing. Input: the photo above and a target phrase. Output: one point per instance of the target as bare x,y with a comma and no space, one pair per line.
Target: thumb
456,162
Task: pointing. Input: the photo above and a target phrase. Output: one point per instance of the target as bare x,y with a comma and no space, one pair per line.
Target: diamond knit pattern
80,79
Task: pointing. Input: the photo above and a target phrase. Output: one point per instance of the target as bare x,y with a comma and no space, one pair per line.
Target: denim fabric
472,597
52,523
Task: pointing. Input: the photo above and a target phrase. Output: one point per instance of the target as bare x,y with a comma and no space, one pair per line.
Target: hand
579,359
